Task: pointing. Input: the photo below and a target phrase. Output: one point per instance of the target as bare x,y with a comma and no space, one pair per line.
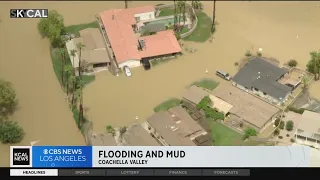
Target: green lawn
169,11
206,83
74,29
167,105
57,67
203,30
223,135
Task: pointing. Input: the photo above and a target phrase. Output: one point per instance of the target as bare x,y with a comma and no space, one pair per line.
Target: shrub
110,130
259,54
280,137
248,53
292,63
287,135
296,110
289,126
292,140
123,130
236,63
281,126
8,101
276,132
11,132
211,113
276,122
249,132
177,36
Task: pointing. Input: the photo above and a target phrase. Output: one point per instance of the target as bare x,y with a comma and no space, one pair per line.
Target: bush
236,64
177,36
211,113
248,53
281,126
259,54
292,140
11,132
8,101
204,103
110,130
292,63
276,122
276,132
280,137
287,135
296,110
289,125
249,132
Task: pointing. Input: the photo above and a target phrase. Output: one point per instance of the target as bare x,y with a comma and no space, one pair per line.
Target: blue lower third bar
62,156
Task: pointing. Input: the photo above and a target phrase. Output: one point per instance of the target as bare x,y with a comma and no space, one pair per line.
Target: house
121,28
136,135
261,77
195,94
246,108
104,139
93,54
308,130
175,127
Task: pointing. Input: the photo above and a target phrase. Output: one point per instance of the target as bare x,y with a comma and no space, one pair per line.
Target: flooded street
285,30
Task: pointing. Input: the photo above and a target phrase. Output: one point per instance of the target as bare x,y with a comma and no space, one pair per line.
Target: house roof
249,108
310,124
220,104
195,94
164,42
261,74
94,50
104,139
176,127
124,42
137,136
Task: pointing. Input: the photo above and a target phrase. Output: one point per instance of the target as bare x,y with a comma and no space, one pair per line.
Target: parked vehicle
127,71
223,75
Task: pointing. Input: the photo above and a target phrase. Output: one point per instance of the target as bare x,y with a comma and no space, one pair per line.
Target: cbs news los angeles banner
158,156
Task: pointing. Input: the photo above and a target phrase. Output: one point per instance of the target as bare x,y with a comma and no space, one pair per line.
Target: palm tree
175,16
80,46
80,96
313,65
68,72
184,13
73,54
62,53
213,16
73,82
180,4
305,84
126,4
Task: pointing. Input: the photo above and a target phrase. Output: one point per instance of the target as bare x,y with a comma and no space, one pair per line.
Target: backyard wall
194,25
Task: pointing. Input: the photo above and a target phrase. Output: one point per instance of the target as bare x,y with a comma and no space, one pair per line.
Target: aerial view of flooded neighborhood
161,73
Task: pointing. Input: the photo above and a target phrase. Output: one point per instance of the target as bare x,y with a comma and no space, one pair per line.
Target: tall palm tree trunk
213,16
316,69
184,13
175,16
126,4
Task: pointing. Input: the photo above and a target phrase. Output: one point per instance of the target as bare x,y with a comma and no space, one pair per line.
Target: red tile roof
164,42
124,42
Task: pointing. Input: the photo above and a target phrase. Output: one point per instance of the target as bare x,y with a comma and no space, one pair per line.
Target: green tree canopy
204,102
8,101
289,126
250,132
11,132
52,28
315,59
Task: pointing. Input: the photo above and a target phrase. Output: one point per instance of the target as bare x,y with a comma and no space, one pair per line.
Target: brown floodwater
285,30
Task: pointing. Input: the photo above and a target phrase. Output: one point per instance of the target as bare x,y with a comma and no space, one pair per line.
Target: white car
127,71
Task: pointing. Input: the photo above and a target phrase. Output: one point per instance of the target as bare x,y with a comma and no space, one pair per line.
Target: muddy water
25,61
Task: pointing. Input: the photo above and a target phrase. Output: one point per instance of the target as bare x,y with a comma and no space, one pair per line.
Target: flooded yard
44,113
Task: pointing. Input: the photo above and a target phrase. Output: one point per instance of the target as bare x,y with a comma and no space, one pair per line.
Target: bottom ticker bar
34,172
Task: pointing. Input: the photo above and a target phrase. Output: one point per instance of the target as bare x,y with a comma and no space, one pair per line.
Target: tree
175,16
213,17
110,130
122,130
8,101
197,5
80,46
289,126
68,70
281,126
292,63
52,28
80,97
63,59
11,132
184,13
276,132
180,5
249,132
313,65
277,122
305,84
204,102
